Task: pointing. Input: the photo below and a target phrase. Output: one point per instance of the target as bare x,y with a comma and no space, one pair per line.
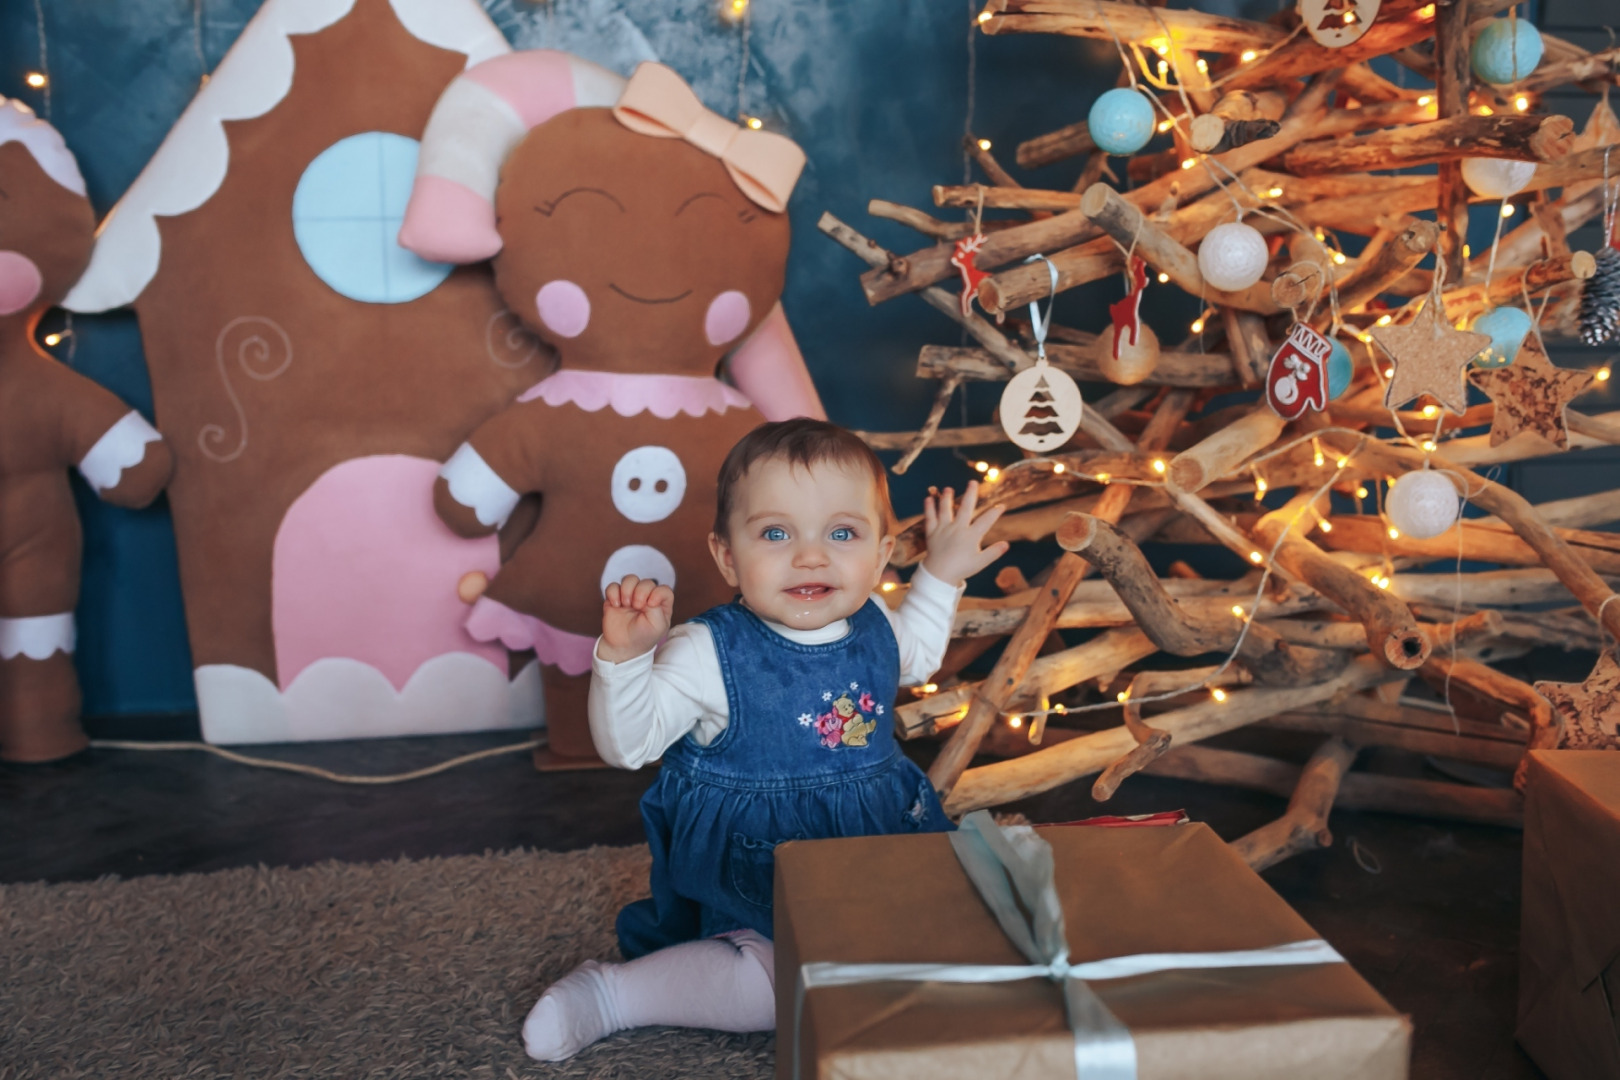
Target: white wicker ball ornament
1496,178
1233,256
1423,504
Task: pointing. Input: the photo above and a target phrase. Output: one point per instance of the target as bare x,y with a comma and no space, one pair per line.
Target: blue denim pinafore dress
809,753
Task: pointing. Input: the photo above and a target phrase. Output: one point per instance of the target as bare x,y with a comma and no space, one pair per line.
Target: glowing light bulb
1363,337
1338,257
1260,487
1201,65
1102,478
53,339
1123,696
1237,609
984,16
1256,558
1159,45
1248,54
928,688
1274,193
1394,533
1521,103
1428,445
984,144
1164,278
1425,12
1320,460
1163,68
35,79
755,123
736,9
1507,209
1389,373
1361,492
1218,694
1381,581
1166,125
1343,462
992,474
1158,465
1015,721
1430,411
1486,110
1349,17
1385,320
1467,251
1059,468
1425,100
1603,374
889,586
1327,526
1188,163
1198,326
981,466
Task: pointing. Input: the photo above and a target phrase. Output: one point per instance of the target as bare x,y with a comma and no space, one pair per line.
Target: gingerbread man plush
51,419
644,237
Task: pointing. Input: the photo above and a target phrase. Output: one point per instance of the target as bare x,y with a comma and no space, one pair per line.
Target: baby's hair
800,441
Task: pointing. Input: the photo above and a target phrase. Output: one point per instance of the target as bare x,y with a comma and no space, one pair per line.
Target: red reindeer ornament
643,236
51,419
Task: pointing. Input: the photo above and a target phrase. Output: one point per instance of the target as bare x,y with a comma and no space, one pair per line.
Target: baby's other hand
955,539
635,617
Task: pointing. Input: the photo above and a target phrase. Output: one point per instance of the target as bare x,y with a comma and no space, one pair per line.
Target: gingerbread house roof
251,80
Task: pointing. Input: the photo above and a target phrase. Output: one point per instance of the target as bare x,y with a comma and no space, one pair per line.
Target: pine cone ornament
1600,300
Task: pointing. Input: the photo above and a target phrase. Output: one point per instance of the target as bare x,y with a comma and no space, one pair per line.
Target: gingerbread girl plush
51,419
644,237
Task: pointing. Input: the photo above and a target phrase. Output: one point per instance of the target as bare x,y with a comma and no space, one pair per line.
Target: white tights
726,983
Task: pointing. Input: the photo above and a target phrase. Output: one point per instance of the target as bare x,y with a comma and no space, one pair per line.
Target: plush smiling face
46,234
629,252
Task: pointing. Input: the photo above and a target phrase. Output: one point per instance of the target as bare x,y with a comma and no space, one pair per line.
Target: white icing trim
37,637
120,447
251,80
471,131
341,698
594,85
478,487
19,124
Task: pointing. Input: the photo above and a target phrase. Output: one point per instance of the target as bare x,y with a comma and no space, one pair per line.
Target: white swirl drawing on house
253,353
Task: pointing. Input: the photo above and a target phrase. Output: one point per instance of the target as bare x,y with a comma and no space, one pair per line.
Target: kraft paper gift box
1569,941
1122,892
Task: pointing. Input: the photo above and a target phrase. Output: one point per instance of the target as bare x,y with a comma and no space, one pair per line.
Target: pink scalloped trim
491,620
630,394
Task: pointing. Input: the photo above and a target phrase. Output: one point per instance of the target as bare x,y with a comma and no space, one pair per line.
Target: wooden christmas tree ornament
1532,394
1430,358
1590,709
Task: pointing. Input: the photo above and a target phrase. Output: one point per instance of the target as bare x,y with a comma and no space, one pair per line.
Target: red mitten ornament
1297,379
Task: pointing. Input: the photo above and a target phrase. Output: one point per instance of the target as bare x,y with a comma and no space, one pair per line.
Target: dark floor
1435,929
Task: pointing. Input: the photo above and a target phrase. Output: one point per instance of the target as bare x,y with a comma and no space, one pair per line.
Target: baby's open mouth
810,592
649,300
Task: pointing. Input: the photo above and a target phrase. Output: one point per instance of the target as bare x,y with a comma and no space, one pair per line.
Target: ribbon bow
764,165
1001,860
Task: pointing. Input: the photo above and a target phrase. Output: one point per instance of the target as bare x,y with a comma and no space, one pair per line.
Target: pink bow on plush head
657,102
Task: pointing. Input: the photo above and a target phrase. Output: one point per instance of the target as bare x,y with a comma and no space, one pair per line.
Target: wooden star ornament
1531,394
1431,357
1590,709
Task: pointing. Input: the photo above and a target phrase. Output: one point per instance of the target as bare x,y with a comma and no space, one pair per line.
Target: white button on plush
641,560
648,484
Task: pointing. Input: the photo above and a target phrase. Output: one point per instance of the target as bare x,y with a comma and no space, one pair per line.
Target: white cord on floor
315,771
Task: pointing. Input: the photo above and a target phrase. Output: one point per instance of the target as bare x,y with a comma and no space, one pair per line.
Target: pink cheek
563,307
20,282
727,317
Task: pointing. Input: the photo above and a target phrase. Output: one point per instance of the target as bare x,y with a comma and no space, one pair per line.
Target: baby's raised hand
955,539
635,617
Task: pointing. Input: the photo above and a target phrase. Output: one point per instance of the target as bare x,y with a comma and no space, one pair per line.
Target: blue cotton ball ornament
1340,369
1502,43
1507,327
1121,121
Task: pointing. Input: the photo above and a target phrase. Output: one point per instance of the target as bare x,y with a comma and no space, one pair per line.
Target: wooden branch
922,268
1523,244
1595,427
1183,369
1353,532
1105,19
1065,142
1196,467
1357,791
1496,753
1399,24
1251,348
1509,286
1304,826
1589,68
1306,189
1581,580
978,435
1050,767
1125,223
1105,609
1182,632
1381,267
980,153
1251,105
1452,76
928,224
947,390
1210,134
1004,198
1392,633
1519,138
1151,743
1492,587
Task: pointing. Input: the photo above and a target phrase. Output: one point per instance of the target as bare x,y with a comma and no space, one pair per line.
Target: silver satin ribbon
1013,864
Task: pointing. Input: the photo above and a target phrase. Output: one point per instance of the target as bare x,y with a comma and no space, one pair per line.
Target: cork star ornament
1531,394
1590,709
1431,357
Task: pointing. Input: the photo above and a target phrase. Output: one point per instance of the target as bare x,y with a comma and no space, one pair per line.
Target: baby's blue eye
843,532
775,532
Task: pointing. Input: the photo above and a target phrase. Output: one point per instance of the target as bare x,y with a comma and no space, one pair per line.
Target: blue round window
346,216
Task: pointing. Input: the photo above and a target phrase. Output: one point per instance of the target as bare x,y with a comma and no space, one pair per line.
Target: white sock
725,983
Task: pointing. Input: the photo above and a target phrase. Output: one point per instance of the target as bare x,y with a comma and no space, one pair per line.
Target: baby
771,714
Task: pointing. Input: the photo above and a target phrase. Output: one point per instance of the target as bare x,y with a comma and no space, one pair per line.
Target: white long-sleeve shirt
639,708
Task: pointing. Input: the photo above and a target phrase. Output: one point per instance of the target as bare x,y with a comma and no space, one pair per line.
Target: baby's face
806,546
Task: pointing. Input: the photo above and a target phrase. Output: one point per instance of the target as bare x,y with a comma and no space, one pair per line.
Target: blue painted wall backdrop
876,91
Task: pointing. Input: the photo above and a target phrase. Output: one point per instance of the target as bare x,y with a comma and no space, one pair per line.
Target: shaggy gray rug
402,969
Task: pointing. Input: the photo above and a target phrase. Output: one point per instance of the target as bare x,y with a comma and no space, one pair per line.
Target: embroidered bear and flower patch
849,718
